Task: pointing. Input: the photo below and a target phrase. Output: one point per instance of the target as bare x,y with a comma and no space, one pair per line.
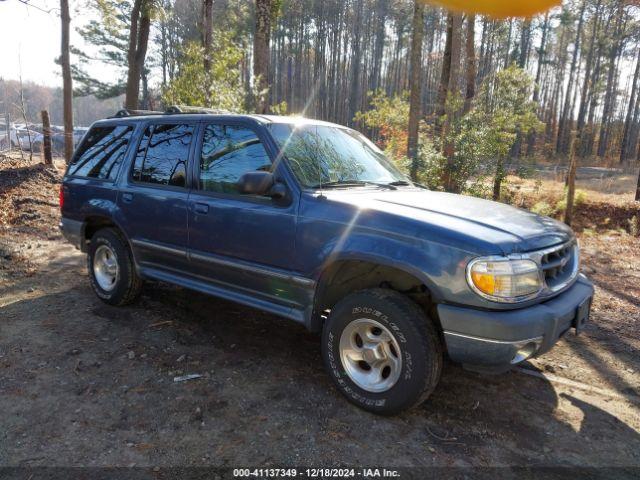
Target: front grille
560,265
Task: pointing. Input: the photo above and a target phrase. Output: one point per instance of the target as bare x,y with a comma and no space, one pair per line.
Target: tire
112,271
413,371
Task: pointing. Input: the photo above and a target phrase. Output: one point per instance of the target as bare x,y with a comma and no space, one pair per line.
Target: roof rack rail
176,109
172,110
125,112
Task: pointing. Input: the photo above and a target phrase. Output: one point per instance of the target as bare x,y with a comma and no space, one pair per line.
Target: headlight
505,280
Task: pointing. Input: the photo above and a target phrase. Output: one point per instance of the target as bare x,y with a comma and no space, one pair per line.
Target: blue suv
310,221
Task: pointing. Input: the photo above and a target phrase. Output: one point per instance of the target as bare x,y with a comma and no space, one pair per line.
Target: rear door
244,242
153,199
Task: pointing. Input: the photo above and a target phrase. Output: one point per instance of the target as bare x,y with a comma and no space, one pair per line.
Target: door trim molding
159,246
260,270
300,281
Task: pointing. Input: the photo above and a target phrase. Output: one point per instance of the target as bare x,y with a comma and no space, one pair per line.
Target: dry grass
602,205
616,190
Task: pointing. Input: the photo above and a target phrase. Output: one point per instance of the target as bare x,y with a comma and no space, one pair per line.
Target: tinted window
162,155
227,153
102,153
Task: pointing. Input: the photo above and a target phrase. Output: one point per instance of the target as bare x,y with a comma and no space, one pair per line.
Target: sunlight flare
498,8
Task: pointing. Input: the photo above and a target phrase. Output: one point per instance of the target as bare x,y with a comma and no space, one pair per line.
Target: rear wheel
111,269
381,351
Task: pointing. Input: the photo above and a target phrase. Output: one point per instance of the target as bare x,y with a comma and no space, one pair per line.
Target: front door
153,200
241,242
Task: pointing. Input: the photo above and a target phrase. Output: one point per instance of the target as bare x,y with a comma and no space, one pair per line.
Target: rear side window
162,155
228,152
102,152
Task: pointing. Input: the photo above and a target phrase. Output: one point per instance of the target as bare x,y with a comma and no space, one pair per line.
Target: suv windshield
327,156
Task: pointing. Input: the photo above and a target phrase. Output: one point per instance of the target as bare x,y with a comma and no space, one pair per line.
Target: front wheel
381,351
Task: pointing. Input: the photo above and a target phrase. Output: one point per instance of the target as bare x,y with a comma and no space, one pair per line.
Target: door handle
202,208
127,197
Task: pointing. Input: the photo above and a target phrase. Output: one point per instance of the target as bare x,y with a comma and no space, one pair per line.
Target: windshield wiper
352,183
339,183
400,183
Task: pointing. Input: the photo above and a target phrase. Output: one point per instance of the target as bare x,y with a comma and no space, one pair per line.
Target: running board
224,293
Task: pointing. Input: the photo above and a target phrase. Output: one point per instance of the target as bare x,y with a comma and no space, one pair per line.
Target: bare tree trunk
614,52
207,39
7,116
584,100
626,143
525,42
382,7
472,69
146,101
23,110
46,138
137,51
563,128
531,143
67,82
443,88
356,58
164,54
133,77
452,89
415,99
571,180
634,135
552,121
207,33
261,41
497,179
430,67
456,45
525,46
587,136
507,53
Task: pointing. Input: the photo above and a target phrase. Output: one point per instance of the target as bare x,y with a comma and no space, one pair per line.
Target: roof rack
125,112
172,110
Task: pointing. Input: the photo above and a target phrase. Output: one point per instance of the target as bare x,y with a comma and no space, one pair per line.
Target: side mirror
256,183
261,183
278,191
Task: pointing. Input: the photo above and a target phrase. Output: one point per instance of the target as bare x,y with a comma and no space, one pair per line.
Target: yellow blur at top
498,8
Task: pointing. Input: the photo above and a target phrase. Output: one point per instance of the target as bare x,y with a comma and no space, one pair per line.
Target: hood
511,229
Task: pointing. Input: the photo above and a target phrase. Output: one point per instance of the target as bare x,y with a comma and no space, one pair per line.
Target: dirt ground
86,384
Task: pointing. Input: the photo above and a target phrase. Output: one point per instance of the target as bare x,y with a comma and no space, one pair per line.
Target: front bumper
495,341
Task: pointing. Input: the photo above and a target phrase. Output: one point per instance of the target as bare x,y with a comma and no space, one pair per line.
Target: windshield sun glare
322,155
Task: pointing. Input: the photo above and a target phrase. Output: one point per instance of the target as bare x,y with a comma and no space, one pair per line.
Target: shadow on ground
84,383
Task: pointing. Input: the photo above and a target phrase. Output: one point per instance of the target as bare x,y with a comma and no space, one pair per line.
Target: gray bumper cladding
72,231
496,340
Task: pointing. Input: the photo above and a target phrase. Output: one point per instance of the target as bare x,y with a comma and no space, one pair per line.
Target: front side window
325,155
102,152
162,155
228,152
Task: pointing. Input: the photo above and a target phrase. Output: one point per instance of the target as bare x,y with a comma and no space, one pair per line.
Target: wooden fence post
46,138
